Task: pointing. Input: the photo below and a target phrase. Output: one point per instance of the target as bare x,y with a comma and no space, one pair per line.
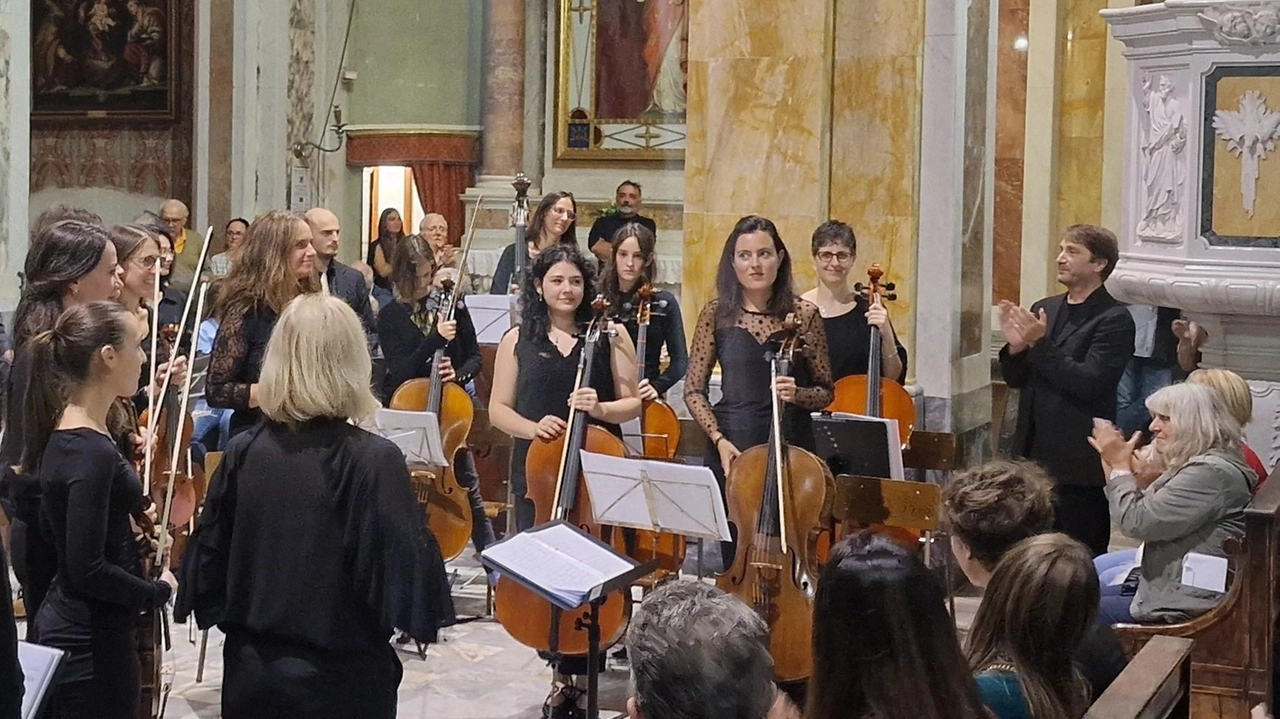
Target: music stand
39,666
491,315
656,496
858,445
567,567
417,434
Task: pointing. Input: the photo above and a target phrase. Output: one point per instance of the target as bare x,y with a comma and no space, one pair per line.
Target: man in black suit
628,199
339,280
1066,355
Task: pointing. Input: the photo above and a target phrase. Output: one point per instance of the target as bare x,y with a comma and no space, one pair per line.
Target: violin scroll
875,288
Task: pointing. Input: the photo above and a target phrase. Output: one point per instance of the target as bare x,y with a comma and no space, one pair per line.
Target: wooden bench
1155,685
1232,661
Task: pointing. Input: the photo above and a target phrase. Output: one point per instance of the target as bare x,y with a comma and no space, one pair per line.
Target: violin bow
152,422
466,244
174,455
186,309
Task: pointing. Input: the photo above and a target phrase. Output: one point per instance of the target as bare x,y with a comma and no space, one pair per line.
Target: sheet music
39,665
559,560
647,494
491,314
417,434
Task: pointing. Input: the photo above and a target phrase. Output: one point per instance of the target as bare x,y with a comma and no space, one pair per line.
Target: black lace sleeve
702,360
818,358
227,364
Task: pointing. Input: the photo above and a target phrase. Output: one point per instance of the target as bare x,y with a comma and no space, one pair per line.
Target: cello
871,394
779,498
558,492
445,501
660,437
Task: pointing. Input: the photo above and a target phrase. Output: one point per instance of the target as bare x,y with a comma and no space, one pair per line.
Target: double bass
559,492
446,502
871,394
660,438
779,499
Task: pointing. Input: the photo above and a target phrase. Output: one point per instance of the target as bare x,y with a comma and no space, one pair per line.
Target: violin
189,479
660,437
559,492
779,499
871,394
445,501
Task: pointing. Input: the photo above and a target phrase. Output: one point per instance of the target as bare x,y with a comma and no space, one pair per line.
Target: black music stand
860,446
534,564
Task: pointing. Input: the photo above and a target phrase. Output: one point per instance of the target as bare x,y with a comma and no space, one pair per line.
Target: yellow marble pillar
1083,73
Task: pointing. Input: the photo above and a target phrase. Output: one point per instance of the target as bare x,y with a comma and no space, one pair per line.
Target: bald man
338,279
186,255
436,231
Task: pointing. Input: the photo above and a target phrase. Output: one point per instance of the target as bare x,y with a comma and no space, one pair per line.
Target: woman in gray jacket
1194,503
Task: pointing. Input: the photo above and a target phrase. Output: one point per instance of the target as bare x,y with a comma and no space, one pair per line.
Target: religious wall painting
622,83
1162,144
1241,159
103,60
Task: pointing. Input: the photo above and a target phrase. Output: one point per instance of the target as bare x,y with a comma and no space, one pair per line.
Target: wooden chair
1232,661
1155,685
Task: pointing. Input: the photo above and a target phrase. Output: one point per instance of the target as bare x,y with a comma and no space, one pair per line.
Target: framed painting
103,60
622,79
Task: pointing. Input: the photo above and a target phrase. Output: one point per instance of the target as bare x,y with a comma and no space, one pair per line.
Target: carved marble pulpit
1201,220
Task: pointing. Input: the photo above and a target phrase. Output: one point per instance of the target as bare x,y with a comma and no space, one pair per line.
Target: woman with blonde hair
1235,392
276,264
1195,504
1037,609
307,577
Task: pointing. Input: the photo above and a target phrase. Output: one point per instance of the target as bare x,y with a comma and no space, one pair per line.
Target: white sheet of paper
638,493
491,314
559,560
39,663
1205,571
417,434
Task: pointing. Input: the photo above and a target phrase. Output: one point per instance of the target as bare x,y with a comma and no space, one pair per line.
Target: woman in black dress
737,331
311,546
89,492
70,263
410,332
382,251
847,316
555,221
632,252
276,264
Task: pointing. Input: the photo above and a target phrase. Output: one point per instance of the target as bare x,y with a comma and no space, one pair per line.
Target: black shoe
563,703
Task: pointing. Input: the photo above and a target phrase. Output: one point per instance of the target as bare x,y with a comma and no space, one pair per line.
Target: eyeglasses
569,215
827,256
149,261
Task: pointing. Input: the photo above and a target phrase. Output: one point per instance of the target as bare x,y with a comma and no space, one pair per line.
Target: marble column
502,108
1011,125
260,95
15,143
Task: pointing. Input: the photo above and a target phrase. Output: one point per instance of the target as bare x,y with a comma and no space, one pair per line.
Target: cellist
533,388
410,332
738,330
846,315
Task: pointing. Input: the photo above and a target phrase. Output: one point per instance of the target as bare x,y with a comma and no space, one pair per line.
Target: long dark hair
383,232
729,291
609,283
61,254
535,318
539,219
62,358
1039,605
883,643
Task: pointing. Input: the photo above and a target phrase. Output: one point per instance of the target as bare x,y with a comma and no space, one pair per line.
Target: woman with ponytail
88,492
70,263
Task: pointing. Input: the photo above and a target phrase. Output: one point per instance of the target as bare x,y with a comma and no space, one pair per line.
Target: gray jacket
1196,508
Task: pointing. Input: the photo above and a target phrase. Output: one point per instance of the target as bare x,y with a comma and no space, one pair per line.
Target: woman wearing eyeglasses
555,220
847,317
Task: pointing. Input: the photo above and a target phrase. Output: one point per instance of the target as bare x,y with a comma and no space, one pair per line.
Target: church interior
965,144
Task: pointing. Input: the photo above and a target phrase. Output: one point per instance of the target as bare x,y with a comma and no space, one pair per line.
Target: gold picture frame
621,82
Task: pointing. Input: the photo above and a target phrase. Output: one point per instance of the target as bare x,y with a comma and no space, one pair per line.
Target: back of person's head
993,507
884,645
698,653
61,254
58,213
1038,607
81,342
1198,420
1234,390
317,363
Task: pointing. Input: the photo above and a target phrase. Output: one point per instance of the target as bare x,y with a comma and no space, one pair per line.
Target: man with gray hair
698,653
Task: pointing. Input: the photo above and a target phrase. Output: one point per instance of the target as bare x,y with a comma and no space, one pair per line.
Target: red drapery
443,166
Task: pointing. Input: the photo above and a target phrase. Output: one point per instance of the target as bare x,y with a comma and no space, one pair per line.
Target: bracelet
717,440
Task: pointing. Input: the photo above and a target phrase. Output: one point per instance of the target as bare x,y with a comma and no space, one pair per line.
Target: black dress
88,492
10,671
236,363
849,341
666,327
307,577
543,386
409,351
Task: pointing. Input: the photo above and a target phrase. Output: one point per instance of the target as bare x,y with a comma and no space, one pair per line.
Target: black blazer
347,284
1066,382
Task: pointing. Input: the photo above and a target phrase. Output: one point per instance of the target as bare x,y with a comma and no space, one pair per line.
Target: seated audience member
884,646
698,653
1039,605
1194,504
991,508
367,271
1235,392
